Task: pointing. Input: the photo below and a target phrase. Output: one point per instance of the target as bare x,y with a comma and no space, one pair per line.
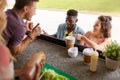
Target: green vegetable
51,75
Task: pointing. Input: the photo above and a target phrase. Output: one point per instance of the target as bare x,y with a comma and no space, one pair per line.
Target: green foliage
112,51
51,75
111,6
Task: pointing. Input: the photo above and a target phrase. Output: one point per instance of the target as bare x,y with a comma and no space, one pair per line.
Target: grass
109,6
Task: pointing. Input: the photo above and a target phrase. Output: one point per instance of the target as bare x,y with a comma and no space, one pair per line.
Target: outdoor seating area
49,40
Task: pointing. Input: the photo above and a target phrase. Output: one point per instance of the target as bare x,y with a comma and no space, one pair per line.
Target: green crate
58,71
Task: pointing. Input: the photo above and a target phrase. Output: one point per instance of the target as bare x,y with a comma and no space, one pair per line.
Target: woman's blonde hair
2,25
3,3
3,22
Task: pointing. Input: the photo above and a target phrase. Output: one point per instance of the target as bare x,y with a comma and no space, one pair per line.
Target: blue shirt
62,29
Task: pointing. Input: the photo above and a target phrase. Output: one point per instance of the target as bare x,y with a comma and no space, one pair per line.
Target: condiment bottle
94,61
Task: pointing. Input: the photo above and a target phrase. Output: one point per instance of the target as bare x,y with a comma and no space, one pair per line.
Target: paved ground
50,19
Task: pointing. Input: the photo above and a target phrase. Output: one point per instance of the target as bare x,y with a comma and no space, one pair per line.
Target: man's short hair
19,4
72,12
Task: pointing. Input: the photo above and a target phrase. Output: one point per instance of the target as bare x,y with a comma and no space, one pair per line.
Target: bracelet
28,32
30,37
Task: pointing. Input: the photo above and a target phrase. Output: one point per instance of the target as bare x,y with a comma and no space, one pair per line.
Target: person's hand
78,36
44,32
38,70
36,31
29,26
24,74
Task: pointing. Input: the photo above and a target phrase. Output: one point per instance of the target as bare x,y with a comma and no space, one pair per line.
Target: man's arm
20,47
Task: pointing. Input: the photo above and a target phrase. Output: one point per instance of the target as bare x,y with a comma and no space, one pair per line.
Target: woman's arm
85,39
78,36
95,45
87,34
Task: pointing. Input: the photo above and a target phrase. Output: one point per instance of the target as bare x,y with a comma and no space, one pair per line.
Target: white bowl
73,51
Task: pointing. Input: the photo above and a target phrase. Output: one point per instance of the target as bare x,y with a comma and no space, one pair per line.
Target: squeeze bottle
94,61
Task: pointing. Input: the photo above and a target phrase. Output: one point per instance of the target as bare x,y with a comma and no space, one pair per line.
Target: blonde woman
6,59
6,65
100,36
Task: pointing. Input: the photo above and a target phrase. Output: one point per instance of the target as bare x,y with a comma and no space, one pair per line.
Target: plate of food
50,72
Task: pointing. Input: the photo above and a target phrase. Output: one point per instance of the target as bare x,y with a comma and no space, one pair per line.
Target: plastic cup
73,51
87,52
70,41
